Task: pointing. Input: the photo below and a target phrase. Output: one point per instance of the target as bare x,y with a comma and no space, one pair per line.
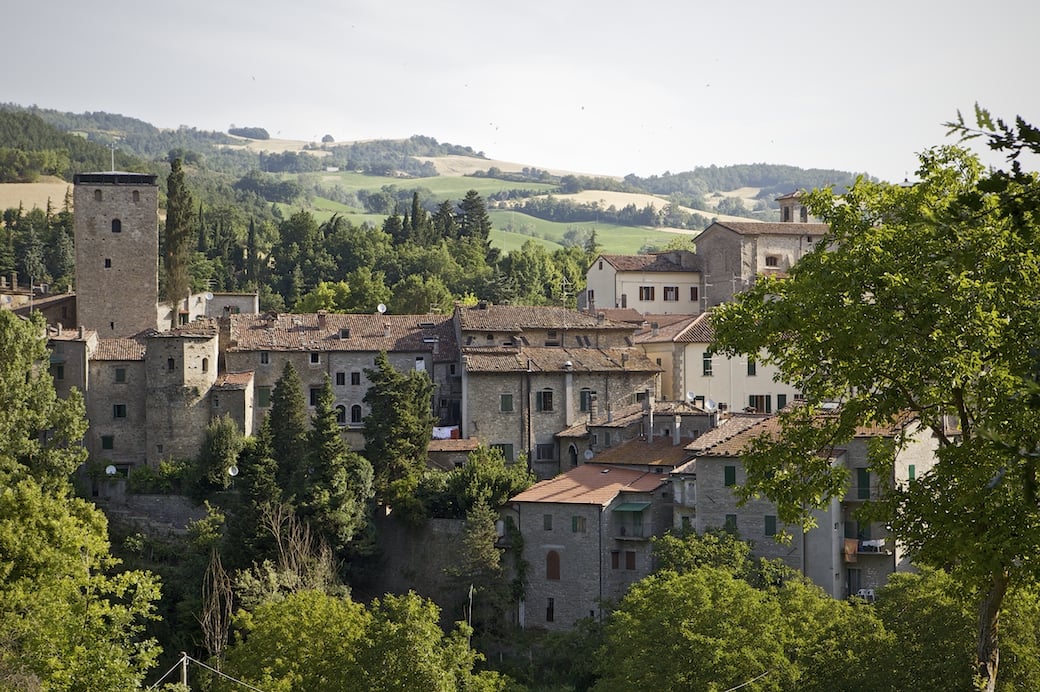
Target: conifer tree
177,236
288,425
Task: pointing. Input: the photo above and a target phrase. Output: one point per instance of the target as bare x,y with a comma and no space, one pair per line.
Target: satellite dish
381,308
710,405
209,296
690,396
232,471
110,470
588,454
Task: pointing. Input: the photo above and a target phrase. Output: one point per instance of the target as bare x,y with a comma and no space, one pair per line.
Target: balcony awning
631,507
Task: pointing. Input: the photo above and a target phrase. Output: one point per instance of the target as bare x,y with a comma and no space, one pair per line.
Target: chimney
610,413
592,303
321,318
593,407
386,329
81,330
59,328
678,425
600,317
654,328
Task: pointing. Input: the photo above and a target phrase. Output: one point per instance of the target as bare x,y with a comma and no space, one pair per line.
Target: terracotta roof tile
759,228
517,318
202,328
699,331
590,484
658,452
344,332
234,380
454,445
630,315
669,328
728,438
553,359
657,262
119,349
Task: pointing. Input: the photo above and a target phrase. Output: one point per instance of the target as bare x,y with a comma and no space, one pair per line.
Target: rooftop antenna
113,156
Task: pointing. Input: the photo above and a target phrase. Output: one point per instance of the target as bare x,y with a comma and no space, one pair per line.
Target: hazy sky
595,86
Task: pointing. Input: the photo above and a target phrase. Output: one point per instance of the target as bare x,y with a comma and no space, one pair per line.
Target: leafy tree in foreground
920,299
67,619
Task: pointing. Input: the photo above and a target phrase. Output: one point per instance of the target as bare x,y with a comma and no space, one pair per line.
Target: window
600,262
420,364
216,401
770,529
506,449
630,559
265,358
772,261
117,226
578,524
615,559
545,452
550,610
694,294
761,403
171,364
787,214
671,293
752,367
547,522
781,401
355,378
355,414
505,403
592,297
315,395
911,472
108,263
97,195
803,215
183,318
263,397
552,565
341,379
205,365
587,397
344,333
706,364
730,475
136,195
863,483
341,415
315,358
120,375
451,369
119,410
59,371
108,442
646,293
543,400
731,523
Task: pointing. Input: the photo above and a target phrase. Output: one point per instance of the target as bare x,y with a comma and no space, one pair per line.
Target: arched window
97,195
117,226
137,196
355,414
341,415
572,453
205,365
552,565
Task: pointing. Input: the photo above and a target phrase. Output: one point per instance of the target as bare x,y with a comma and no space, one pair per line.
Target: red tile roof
119,349
590,484
657,262
658,452
453,445
234,380
516,318
314,332
669,328
759,228
552,359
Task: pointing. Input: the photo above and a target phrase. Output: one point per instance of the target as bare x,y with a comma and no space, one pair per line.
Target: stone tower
117,252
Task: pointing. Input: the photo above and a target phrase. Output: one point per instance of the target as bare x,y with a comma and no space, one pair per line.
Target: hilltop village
621,410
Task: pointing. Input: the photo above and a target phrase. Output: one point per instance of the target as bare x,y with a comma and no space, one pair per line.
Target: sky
592,86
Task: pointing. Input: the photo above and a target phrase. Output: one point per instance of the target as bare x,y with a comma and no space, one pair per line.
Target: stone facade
117,252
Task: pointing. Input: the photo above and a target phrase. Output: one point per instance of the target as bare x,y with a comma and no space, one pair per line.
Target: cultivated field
30,195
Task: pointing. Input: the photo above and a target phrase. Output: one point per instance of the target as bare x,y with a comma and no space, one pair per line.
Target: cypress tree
177,236
288,426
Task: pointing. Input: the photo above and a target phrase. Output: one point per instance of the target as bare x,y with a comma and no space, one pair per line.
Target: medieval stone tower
117,252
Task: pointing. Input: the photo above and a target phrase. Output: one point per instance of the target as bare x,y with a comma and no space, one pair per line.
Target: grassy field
621,240
451,188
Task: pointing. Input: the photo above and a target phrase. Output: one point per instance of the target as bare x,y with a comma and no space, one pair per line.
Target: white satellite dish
232,471
710,405
690,396
588,454
110,470
381,308
209,296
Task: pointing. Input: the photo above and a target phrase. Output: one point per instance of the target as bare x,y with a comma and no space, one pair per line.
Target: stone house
530,372
664,282
586,539
841,554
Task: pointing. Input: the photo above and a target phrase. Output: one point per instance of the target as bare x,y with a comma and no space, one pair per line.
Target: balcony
631,532
855,548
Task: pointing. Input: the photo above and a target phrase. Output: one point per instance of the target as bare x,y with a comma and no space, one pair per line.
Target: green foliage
220,450
720,549
249,132
397,431
485,479
288,426
178,236
171,477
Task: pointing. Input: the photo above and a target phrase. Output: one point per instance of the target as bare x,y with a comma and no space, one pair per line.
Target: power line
183,662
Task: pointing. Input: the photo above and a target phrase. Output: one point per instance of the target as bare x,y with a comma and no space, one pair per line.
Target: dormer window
344,333
552,338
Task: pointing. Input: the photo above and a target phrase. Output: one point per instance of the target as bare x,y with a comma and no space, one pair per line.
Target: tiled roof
364,332
658,262
552,359
731,435
699,331
233,380
517,318
590,484
658,452
69,334
669,327
630,315
759,228
453,445
119,349
202,328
